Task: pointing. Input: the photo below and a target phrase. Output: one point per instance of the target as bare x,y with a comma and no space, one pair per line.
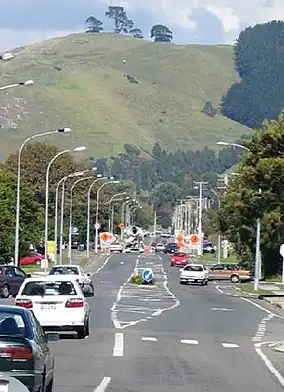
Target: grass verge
247,288
212,259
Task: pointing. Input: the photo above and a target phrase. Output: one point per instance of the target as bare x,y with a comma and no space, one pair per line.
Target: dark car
24,353
170,248
208,247
11,278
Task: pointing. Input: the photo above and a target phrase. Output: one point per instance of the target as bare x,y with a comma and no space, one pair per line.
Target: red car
34,259
179,259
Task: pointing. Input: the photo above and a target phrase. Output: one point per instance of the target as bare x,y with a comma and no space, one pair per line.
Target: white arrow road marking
230,345
103,385
118,344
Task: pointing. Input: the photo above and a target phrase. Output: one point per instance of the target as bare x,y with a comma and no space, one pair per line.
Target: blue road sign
147,275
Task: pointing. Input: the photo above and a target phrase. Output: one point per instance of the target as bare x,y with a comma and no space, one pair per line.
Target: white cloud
24,21
233,14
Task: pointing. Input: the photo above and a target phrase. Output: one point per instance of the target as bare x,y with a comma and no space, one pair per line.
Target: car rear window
180,254
11,324
195,268
64,271
42,288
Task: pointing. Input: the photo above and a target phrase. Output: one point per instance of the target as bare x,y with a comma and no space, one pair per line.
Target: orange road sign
195,239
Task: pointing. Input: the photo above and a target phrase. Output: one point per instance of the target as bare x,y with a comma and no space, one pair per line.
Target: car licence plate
48,307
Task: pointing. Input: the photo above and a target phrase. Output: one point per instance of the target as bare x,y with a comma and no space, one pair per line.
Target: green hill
113,90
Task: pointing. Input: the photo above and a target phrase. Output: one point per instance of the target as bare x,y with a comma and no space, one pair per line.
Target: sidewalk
77,258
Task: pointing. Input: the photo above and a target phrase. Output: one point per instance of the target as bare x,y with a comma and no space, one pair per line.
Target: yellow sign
51,247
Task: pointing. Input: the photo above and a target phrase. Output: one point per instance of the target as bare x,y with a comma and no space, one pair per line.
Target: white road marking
220,290
103,385
136,293
223,309
230,345
261,308
185,341
269,364
118,344
102,266
148,339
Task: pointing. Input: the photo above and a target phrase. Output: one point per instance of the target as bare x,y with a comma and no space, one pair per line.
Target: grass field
82,81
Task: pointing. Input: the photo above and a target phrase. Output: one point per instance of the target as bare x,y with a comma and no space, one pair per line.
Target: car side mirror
52,337
88,274
181,269
28,275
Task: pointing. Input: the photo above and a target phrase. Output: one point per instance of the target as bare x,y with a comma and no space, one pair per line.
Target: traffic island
139,281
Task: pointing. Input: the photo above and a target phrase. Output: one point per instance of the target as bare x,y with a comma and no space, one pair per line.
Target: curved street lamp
17,225
71,212
26,83
77,149
62,181
97,211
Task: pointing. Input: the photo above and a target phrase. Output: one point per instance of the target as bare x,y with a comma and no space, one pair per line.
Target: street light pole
17,225
89,214
46,200
97,211
219,234
26,83
200,248
71,215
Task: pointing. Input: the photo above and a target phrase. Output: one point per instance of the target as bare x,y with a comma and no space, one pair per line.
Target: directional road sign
147,275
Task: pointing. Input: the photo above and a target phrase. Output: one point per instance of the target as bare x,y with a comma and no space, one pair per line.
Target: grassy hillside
81,82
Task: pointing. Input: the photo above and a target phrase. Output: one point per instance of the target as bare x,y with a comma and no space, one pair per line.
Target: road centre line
185,341
102,266
230,345
118,344
148,339
103,385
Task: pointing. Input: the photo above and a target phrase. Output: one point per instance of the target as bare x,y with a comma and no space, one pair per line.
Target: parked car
179,259
11,279
24,352
170,248
32,259
230,272
194,273
208,247
58,303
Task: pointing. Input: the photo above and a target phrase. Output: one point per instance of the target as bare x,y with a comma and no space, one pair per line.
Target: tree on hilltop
121,22
94,25
161,33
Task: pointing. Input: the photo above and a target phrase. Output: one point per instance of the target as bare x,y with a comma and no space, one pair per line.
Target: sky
192,21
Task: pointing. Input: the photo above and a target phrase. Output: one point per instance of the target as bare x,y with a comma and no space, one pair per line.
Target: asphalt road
167,338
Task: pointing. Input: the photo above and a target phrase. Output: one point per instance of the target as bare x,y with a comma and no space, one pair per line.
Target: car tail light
74,303
24,303
16,352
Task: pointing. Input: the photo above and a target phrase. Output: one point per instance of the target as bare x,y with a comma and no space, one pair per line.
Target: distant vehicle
33,259
230,272
160,247
11,279
194,273
208,247
165,235
115,248
170,248
57,302
77,272
179,259
24,352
